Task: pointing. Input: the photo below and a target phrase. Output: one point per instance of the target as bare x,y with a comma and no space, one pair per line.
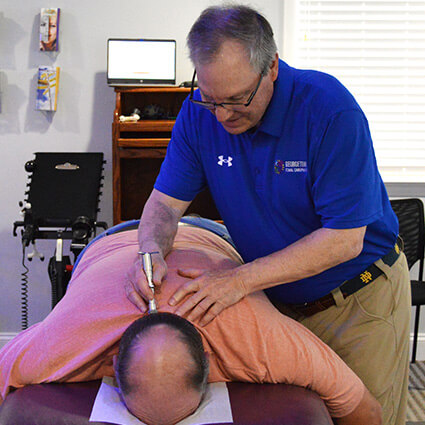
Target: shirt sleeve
78,339
346,184
312,364
181,175
254,342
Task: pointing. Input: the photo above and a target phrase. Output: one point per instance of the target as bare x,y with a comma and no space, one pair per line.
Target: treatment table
252,404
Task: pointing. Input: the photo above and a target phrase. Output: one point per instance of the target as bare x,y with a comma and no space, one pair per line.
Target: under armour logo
227,161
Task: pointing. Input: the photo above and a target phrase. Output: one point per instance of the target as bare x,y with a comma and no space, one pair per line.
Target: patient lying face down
162,369
163,378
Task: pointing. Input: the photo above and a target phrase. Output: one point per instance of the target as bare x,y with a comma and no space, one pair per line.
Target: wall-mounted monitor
141,62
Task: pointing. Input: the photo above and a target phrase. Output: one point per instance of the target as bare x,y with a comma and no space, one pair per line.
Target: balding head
162,369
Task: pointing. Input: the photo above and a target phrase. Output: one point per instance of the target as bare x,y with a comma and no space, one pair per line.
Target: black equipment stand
62,204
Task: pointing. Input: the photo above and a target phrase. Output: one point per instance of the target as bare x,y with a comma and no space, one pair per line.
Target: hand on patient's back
208,294
136,284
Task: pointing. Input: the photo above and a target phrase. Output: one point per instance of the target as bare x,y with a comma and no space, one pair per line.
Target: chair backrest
64,186
410,214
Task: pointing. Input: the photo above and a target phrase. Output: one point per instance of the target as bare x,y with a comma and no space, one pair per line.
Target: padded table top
252,404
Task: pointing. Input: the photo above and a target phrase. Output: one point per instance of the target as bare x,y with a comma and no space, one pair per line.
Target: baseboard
420,351
5,337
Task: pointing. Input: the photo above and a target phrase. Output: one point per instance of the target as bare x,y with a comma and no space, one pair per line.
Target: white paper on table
108,407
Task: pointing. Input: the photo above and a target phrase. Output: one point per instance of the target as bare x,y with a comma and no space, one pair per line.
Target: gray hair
217,24
197,378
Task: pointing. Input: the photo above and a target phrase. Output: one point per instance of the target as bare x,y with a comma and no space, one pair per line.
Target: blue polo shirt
310,164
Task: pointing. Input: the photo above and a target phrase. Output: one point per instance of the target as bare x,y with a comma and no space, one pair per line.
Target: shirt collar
274,118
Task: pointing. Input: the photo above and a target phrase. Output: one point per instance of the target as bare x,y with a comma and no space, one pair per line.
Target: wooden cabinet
138,149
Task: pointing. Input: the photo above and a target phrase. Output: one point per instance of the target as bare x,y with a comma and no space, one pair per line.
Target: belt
349,287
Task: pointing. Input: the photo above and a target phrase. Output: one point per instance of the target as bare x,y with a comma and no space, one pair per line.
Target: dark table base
252,404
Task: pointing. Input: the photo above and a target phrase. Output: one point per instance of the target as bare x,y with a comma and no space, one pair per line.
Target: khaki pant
370,331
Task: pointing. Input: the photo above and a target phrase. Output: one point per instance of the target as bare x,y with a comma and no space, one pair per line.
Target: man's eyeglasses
231,106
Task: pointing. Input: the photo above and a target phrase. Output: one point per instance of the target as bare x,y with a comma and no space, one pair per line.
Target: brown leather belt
349,287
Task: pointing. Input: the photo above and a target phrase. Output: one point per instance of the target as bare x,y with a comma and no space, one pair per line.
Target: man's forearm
311,255
157,229
158,224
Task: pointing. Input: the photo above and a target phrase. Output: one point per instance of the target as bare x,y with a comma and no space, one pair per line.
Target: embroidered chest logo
281,166
222,161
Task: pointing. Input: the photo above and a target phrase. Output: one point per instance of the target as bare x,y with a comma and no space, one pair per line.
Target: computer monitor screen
141,62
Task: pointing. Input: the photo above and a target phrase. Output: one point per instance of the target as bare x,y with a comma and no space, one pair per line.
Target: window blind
376,49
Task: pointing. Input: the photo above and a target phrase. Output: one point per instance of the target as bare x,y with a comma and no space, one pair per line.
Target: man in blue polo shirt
288,158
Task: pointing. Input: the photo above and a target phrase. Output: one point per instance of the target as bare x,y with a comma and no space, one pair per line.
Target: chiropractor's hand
210,292
136,285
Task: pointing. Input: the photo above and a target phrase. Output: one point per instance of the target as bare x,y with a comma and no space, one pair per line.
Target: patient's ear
114,363
207,359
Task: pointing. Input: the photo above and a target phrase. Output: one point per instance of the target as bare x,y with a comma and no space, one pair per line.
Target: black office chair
410,213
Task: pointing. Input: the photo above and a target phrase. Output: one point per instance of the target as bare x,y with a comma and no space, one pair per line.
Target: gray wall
85,107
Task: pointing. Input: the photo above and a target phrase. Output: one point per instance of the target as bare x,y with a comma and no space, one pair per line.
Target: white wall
85,107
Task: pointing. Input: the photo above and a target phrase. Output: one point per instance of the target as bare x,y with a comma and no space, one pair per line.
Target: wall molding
5,337
420,351
415,190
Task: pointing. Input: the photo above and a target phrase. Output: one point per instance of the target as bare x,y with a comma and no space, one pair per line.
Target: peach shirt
249,342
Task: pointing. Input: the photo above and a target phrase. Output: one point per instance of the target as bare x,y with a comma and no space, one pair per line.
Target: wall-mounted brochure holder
47,88
49,29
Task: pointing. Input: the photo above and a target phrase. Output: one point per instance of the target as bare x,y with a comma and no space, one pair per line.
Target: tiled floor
416,400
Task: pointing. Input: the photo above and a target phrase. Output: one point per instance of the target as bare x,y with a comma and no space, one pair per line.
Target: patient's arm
254,342
367,412
77,340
